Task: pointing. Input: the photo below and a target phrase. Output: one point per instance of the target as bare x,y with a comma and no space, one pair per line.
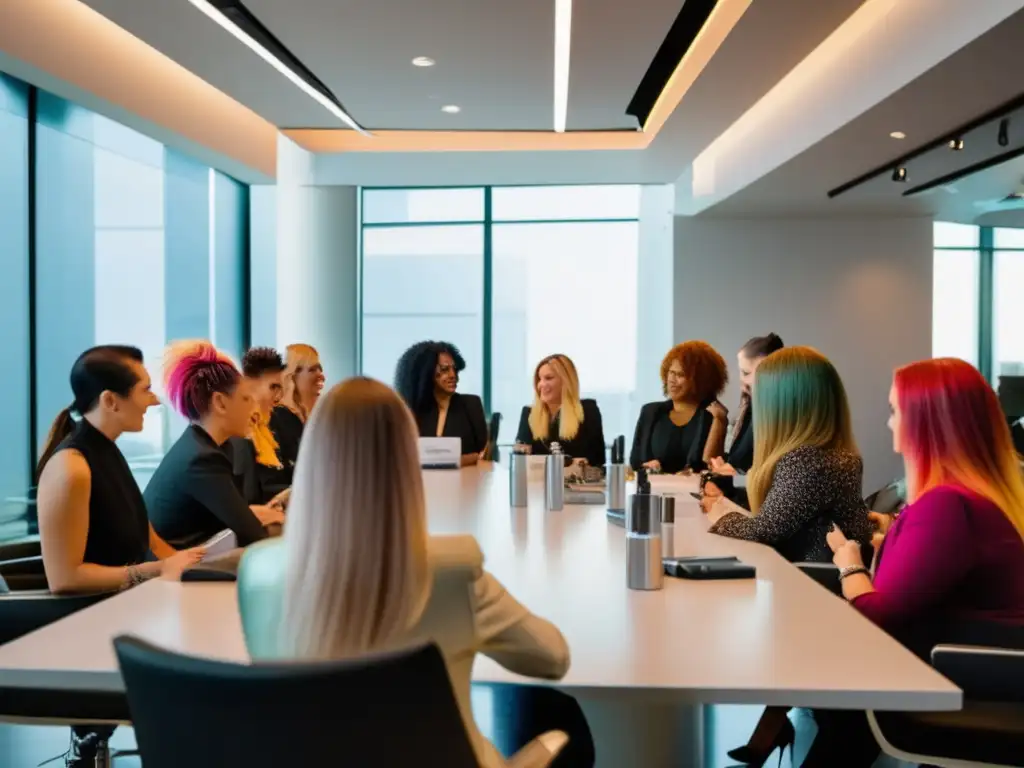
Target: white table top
779,639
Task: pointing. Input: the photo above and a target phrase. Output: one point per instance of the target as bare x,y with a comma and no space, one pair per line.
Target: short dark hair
414,374
762,346
260,360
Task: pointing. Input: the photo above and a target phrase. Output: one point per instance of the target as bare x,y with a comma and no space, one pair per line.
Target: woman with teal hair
806,477
807,472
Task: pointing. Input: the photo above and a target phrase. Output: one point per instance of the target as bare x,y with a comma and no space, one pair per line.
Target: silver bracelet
135,577
850,570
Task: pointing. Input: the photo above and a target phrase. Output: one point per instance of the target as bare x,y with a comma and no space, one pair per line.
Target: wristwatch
850,570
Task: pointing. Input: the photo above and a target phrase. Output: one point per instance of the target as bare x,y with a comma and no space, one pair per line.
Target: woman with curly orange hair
687,430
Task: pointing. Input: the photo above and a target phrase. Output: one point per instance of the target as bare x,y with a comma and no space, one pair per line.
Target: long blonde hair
571,410
357,573
799,400
297,358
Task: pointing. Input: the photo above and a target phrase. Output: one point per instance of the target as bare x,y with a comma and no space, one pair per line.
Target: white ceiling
494,59
965,85
613,44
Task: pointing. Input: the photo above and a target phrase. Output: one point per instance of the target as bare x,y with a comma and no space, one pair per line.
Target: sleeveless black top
118,524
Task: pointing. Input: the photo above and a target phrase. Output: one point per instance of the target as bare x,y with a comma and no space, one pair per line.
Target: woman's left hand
710,494
718,411
845,553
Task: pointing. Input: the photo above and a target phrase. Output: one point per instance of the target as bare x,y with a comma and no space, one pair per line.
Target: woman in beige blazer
356,571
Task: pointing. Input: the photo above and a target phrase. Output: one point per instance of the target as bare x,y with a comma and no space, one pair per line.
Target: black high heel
746,754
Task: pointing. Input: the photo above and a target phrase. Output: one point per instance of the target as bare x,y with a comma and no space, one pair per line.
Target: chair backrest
24,573
388,709
492,436
24,612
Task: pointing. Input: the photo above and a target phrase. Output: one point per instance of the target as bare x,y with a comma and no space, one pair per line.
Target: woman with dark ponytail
740,457
93,528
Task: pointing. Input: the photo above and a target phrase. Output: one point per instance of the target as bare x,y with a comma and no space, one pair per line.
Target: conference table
644,664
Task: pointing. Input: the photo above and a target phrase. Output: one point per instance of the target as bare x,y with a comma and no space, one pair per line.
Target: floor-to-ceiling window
108,236
15,421
509,275
977,312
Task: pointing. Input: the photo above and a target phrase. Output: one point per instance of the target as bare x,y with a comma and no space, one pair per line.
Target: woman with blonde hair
806,477
357,572
303,382
558,415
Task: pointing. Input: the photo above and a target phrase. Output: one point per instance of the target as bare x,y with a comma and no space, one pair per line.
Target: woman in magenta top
952,563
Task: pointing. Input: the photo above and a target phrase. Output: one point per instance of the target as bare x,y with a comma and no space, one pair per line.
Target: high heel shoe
784,738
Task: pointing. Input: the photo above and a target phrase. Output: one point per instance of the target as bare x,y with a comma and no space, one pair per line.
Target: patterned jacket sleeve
800,490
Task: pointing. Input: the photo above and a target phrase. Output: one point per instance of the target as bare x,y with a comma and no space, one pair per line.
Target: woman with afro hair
688,429
426,377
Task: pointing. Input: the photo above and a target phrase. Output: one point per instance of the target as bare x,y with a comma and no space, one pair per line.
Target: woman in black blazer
426,377
689,428
740,457
194,493
559,416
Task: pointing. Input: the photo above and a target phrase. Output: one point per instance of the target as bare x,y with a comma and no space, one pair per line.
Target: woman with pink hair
193,495
951,566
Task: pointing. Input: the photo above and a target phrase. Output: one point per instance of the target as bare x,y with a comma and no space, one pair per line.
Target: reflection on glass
950,235
1008,314
955,305
1005,237
566,288
423,283
605,201
395,206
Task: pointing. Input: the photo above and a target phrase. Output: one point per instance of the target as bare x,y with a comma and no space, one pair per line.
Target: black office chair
491,450
988,731
393,709
25,611
24,573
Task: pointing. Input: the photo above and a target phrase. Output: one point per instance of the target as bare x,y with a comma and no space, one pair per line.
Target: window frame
488,222
986,250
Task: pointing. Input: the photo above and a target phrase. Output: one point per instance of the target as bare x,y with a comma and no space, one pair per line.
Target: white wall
860,291
317,264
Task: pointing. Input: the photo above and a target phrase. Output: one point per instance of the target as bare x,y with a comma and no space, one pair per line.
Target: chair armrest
32,564
540,752
984,673
826,574
28,610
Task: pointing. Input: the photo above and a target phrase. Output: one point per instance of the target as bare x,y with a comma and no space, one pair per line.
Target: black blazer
642,450
287,429
741,452
258,482
193,494
588,443
465,420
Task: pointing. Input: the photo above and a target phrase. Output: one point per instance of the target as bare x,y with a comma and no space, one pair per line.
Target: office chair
24,573
22,612
392,709
491,450
987,733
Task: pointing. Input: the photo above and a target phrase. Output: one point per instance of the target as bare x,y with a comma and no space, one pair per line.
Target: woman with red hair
951,566
192,496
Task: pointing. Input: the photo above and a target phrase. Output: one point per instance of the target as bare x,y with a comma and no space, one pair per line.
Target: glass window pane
950,235
568,288
422,283
1008,320
15,473
396,206
955,305
554,203
1006,237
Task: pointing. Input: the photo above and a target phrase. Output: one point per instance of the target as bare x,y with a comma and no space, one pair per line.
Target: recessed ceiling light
218,16
898,135
451,109
423,61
